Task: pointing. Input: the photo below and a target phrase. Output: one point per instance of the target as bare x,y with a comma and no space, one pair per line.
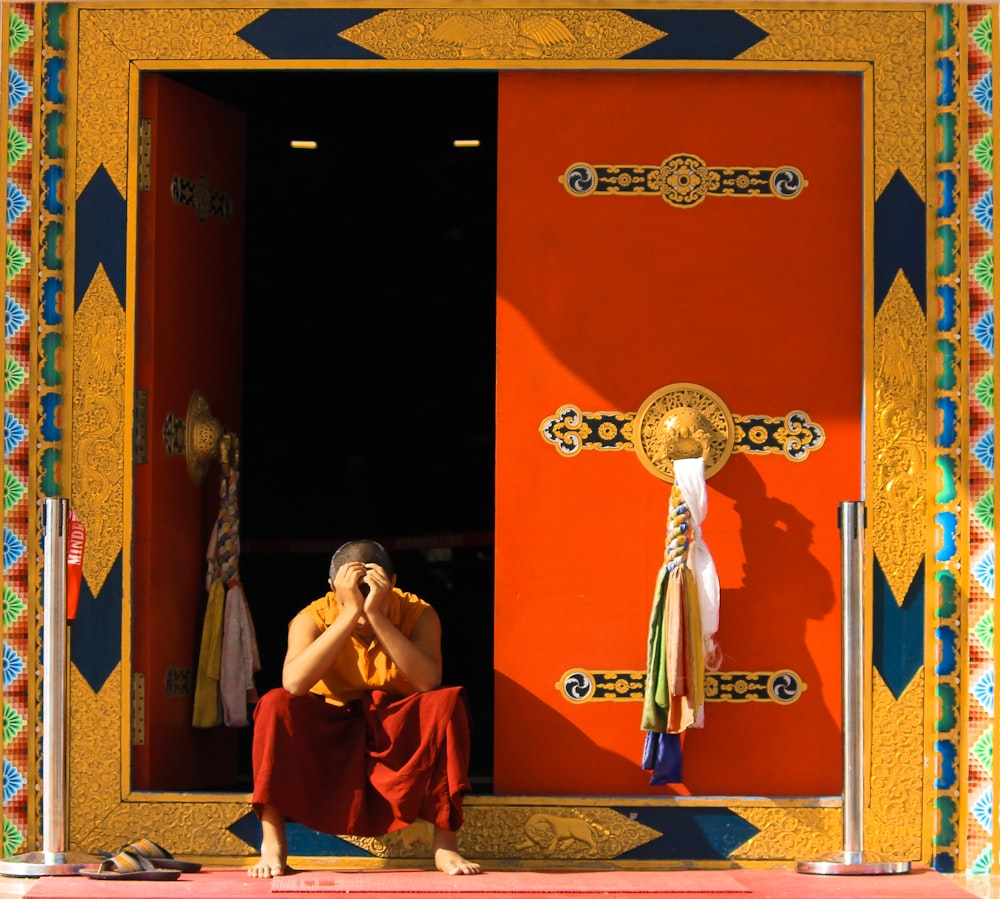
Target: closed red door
606,298
188,337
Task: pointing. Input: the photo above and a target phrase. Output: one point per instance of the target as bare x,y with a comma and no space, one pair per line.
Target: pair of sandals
140,860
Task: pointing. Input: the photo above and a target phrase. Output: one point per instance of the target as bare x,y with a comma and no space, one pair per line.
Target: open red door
188,337
607,295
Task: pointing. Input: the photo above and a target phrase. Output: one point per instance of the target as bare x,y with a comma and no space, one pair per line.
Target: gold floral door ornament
683,180
677,421
206,201
579,685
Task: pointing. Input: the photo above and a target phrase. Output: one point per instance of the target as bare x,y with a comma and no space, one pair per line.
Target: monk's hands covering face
350,587
380,587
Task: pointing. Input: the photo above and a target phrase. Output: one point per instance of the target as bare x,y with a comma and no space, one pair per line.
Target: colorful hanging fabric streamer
682,627
229,657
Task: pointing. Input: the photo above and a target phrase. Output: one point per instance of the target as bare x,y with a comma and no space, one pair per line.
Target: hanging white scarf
689,474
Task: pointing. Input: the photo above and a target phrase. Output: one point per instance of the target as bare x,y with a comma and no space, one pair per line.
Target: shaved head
367,551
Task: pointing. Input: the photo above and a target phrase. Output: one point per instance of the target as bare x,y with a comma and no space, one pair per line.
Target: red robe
365,769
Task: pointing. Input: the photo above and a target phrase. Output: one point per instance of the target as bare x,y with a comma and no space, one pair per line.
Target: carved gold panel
898,502
99,426
791,834
524,832
111,39
895,795
480,33
892,41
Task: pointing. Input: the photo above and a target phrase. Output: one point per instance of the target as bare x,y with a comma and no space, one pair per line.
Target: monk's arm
418,656
311,651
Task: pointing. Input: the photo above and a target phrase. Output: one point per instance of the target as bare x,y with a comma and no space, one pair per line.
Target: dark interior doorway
370,349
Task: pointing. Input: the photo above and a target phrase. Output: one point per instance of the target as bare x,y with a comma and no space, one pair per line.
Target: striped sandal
157,856
126,866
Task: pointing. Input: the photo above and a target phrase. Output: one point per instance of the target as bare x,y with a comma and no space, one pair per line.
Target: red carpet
493,882
739,883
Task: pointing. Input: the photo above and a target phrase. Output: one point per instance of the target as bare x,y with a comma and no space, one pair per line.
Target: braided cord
678,542
228,547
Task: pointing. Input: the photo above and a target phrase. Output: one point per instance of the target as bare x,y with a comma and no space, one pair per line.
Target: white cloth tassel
689,474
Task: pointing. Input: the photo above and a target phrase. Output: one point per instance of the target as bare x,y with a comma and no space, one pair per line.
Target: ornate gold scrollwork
579,685
523,832
678,421
683,180
480,34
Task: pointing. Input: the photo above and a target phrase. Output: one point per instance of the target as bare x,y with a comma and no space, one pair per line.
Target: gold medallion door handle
682,420
200,437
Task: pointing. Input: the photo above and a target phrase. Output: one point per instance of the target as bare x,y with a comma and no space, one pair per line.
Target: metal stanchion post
853,859
53,859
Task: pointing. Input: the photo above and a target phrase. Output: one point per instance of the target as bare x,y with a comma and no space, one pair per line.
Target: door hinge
138,709
145,153
140,428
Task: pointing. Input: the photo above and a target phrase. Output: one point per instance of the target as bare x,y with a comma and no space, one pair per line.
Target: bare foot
273,847
447,857
271,864
451,862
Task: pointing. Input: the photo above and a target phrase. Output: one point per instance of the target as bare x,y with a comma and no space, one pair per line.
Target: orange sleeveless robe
363,754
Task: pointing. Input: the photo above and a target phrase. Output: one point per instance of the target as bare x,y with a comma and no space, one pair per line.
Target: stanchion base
853,863
40,864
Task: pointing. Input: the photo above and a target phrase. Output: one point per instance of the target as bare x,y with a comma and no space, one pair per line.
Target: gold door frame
890,47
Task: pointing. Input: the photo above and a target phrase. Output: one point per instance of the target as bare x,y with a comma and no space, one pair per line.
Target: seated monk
361,739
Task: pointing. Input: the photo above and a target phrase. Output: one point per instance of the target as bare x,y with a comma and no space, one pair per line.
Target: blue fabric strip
662,756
